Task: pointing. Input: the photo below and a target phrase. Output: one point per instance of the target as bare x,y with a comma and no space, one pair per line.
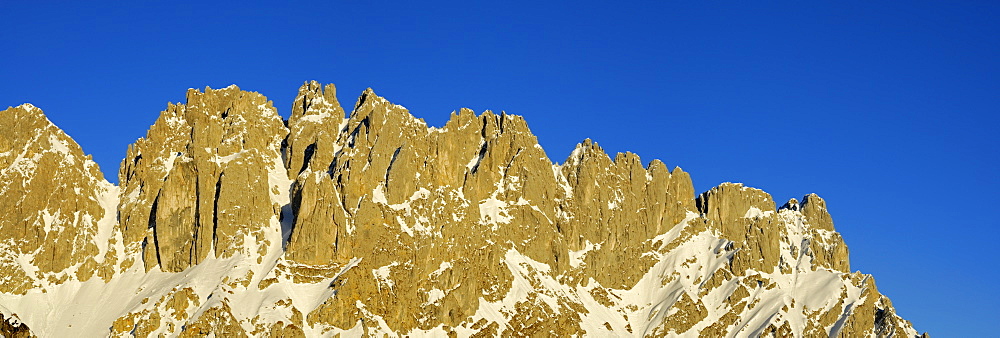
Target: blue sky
887,110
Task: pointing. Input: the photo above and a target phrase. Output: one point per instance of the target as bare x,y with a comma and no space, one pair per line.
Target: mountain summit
229,220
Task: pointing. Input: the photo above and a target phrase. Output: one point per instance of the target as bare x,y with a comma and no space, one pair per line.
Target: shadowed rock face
13,328
232,221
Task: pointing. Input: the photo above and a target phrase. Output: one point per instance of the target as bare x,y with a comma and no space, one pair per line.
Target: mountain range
230,220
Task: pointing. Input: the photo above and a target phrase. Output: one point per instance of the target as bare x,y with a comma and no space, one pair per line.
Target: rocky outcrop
231,221
315,124
745,216
422,207
54,227
13,328
827,245
617,207
199,183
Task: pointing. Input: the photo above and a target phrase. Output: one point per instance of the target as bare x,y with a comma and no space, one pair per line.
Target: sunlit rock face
198,184
54,226
231,221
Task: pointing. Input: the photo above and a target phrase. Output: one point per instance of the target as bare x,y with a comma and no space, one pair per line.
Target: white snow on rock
493,211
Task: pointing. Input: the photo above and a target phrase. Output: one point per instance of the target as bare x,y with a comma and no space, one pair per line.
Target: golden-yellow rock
376,224
209,160
52,194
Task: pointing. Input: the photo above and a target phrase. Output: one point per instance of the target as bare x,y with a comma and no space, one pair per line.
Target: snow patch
474,162
382,275
493,211
755,212
108,200
434,295
441,269
60,145
576,257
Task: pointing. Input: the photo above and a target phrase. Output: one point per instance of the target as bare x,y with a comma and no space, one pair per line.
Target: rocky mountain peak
55,227
184,184
314,125
814,208
230,220
792,204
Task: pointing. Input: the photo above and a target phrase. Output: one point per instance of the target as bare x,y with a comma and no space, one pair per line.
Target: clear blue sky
887,110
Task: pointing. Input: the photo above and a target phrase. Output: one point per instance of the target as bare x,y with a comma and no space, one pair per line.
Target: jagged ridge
230,220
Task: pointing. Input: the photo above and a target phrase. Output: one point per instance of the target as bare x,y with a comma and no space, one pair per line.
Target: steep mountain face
198,184
229,220
56,224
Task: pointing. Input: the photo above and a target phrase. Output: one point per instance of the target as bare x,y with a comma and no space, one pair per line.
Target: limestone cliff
198,183
55,225
231,221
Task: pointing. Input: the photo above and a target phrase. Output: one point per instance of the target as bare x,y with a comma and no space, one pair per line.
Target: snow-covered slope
230,221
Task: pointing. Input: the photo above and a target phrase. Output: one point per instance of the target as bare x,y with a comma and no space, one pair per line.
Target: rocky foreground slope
229,220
